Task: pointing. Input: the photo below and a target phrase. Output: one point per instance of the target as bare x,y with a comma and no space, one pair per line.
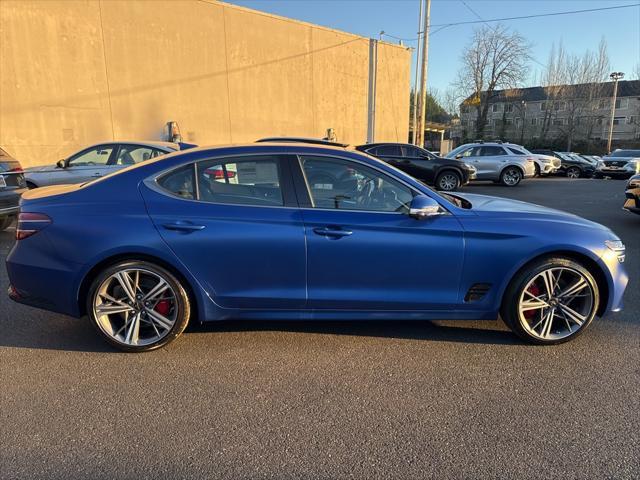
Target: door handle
183,227
97,175
332,232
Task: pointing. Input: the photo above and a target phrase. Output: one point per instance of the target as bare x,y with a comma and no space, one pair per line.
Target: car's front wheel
573,172
511,176
551,301
138,306
448,181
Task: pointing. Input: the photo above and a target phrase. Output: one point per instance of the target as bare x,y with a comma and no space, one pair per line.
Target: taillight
16,170
30,224
218,173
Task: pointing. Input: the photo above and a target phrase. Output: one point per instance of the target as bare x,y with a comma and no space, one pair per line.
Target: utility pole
615,76
422,115
414,100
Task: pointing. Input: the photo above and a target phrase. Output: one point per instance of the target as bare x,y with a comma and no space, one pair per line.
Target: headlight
544,160
617,247
470,167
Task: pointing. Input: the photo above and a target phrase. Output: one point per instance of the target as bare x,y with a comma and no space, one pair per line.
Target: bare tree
573,88
636,71
495,59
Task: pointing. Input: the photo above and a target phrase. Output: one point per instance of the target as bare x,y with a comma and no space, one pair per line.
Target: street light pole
414,100
615,76
423,77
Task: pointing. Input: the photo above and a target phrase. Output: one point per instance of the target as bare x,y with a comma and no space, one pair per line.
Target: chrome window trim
152,182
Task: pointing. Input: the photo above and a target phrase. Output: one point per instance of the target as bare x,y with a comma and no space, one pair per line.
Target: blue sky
578,32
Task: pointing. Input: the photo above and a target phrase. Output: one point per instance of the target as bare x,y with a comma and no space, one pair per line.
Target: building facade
562,116
76,72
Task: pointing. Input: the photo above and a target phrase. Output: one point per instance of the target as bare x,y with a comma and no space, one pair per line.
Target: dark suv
12,185
572,165
444,173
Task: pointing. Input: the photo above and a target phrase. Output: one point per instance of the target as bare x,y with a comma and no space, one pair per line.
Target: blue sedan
301,231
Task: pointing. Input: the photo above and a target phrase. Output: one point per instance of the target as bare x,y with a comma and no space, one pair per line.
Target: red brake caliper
163,307
533,290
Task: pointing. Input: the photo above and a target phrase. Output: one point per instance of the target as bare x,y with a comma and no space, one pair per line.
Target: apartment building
564,113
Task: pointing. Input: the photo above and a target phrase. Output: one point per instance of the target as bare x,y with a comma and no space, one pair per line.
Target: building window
633,120
495,108
508,121
543,106
518,121
508,108
619,120
622,103
605,103
534,122
559,106
558,122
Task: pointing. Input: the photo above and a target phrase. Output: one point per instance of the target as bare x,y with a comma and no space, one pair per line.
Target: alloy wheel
448,182
511,177
135,307
573,173
556,303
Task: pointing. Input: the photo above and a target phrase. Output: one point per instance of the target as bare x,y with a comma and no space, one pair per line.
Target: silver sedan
96,161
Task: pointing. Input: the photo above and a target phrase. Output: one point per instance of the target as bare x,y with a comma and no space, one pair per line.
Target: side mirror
422,207
61,164
459,156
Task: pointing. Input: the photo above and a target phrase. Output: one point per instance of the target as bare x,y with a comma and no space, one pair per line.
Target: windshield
518,150
626,153
456,150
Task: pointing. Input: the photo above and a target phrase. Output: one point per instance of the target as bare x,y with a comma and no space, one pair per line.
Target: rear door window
389,151
491,151
240,181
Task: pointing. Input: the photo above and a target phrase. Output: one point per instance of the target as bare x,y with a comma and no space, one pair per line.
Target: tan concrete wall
77,72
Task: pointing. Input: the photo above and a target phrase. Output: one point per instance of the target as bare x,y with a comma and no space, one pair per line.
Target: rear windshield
626,153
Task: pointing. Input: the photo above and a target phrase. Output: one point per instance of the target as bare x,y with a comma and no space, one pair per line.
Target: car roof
309,140
146,143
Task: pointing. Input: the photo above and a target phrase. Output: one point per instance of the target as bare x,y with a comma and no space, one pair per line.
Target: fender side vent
477,292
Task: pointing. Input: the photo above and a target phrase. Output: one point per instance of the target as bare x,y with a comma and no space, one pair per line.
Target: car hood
486,205
619,159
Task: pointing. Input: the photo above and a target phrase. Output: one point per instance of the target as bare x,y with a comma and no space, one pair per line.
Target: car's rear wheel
5,222
448,181
573,172
138,306
511,176
551,301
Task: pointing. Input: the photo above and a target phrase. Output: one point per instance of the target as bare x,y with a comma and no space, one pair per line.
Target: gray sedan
96,161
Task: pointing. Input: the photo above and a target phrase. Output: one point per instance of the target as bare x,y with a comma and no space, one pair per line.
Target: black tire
573,172
448,181
183,304
509,311
5,222
538,173
511,176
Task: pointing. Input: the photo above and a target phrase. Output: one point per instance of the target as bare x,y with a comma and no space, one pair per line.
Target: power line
483,20
551,14
523,17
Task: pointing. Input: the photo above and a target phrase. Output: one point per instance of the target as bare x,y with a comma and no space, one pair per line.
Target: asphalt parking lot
320,400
